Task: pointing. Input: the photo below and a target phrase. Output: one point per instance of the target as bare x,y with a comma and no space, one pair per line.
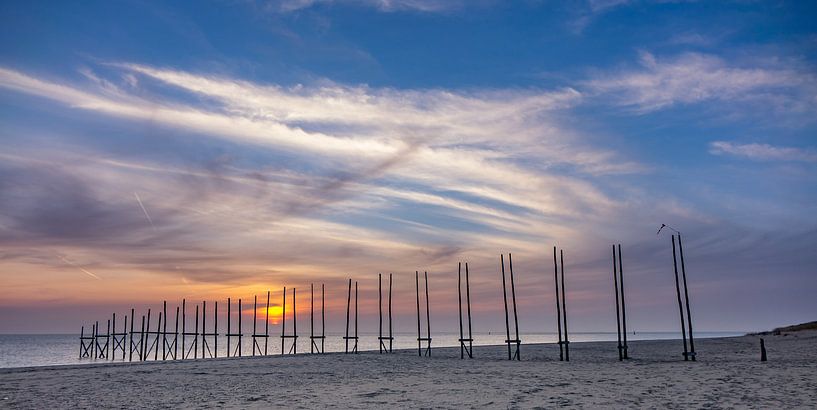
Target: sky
206,150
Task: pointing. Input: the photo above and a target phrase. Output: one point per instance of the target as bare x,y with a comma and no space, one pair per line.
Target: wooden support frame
230,335
205,345
118,340
155,345
469,348
170,346
102,349
293,349
383,347
513,354
313,345
420,338
193,349
255,345
354,338
134,346
86,344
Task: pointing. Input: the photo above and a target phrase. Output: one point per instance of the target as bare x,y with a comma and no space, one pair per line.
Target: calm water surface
44,350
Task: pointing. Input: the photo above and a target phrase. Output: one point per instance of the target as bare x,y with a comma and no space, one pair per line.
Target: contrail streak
145,211
80,268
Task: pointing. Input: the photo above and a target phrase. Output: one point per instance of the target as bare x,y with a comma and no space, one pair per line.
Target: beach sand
728,374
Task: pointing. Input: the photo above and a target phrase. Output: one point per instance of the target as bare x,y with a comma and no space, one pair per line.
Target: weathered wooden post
347,338
313,345
420,338
623,304
680,304
618,308
558,305
566,340
469,349
294,336
762,350
686,297
381,339
513,354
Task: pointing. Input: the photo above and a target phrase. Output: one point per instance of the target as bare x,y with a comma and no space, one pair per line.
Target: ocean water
46,350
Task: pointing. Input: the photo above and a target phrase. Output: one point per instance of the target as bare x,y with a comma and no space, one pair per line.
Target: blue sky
210,149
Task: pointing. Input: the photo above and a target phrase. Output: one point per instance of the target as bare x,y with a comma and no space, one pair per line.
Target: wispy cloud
693,77
762,152
366,169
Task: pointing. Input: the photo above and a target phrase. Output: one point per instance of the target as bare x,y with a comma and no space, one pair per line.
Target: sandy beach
728,374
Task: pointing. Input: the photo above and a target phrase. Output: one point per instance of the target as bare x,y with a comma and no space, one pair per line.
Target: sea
64,349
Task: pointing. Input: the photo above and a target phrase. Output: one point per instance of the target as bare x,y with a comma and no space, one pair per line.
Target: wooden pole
130,346
240,314
311,318
184,326
468,307
618,318
356,337
294,324
428,317
515,317
558,305
564,305
417,288
266,326
142,338
254,321
686,297
215,329
323,318
176,336
680,305
229,328
164,330
348,305
505,300
391,336
623,305
380,312
459,306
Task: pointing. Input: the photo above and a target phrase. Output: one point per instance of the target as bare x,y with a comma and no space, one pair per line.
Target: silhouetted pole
311,318
505,301
515,318
558,305
618,318
348,306
229,328
391,335
294,324
254,321
419,336
215,329
323,318
762,350
130,346
468,307
356,316
680,305
266,326
623,304
283,320
380,312
459,304
564,305
686,297
428,316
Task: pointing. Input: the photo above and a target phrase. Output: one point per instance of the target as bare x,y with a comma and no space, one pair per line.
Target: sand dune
727,374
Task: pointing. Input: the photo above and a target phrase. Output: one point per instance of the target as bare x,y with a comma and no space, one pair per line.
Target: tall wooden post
618,308
680,305
686,297
558,305
564,305
623,304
